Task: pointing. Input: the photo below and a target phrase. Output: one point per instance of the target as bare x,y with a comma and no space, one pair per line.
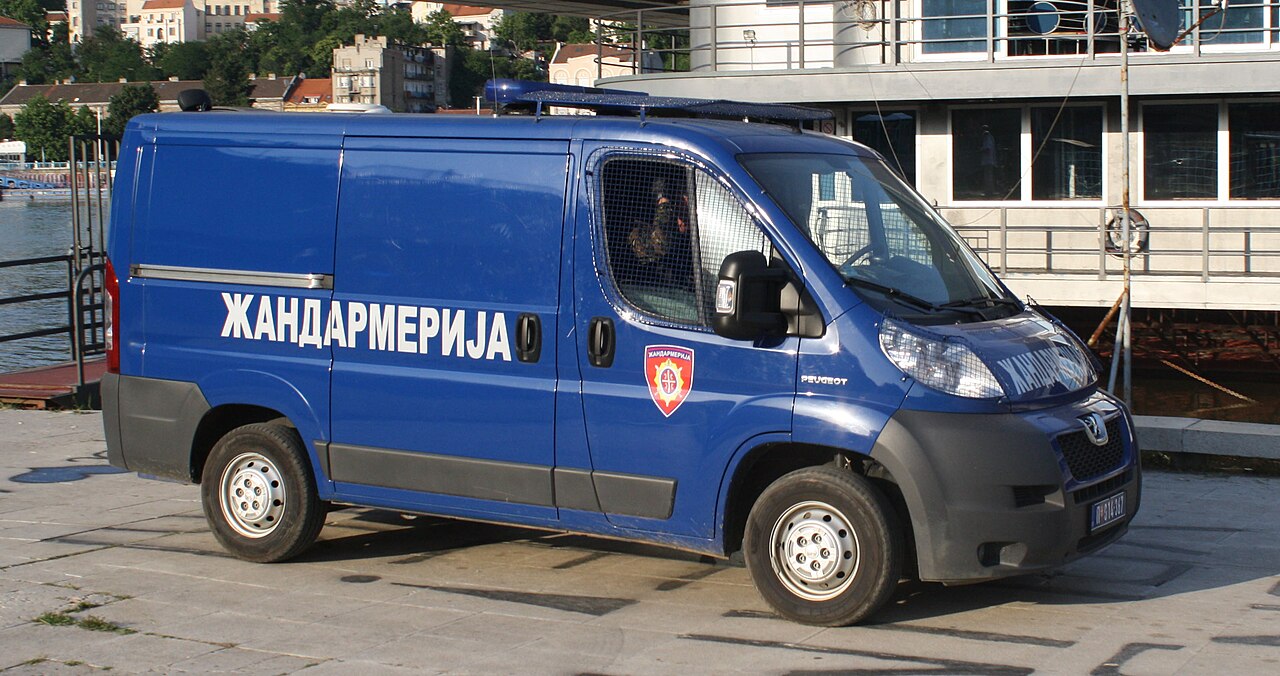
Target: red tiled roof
466,10
54,17
163,4
313,87
6,21
262,16
575,51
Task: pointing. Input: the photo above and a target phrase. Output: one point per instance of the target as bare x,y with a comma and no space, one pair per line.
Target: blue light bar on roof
507,91
614,101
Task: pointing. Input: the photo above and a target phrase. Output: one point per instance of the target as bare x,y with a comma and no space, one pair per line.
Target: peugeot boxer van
707,334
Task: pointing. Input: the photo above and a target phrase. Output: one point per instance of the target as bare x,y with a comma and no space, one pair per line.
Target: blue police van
653,323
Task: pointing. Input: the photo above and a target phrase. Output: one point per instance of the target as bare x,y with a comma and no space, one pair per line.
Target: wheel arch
220,420
771,459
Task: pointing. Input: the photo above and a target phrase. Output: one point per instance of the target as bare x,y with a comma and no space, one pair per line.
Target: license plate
1106,512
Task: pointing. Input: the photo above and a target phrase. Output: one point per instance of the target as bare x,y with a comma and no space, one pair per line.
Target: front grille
1102,487
1087,460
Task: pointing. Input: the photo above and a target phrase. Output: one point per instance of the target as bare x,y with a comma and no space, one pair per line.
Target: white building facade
189,19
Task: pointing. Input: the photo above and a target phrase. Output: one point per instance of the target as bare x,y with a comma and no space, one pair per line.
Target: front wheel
259,494
823,546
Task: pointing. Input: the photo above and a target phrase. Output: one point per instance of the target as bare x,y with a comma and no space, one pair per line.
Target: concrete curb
1210,437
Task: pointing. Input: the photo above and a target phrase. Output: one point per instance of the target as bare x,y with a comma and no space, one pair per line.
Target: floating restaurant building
1006,115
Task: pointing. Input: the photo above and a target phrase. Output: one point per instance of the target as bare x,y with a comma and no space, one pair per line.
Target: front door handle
601,341
528,338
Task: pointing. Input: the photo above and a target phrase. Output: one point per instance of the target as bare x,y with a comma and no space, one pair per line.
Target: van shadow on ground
1149,562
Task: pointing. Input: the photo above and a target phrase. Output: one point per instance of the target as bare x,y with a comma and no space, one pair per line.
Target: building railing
731,35
1211,243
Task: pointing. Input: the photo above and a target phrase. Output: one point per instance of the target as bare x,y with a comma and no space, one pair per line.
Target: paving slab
1193,588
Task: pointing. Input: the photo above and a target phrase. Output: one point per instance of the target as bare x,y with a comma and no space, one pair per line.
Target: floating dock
54,386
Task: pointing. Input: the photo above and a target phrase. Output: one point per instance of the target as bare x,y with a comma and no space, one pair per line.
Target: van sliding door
448,262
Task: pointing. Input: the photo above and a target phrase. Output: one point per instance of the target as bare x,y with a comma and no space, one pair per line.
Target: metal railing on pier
82,296
90,169
1205,242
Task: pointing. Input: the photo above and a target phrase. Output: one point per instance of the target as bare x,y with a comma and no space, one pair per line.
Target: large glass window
986,153
667,228
1255,150
1228,26
892,134
948,22
1180,159
1068,153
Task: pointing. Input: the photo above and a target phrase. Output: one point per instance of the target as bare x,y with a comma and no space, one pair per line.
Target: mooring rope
1206,381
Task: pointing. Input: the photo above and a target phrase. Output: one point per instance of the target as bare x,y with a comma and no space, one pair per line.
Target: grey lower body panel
988,496
521,483
151,423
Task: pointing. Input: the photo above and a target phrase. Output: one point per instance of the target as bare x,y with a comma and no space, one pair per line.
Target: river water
30,229
42,228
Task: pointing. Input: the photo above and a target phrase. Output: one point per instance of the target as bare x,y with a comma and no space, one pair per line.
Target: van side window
667,227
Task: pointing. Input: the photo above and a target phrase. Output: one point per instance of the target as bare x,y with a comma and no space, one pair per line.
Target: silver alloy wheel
252,495
814,551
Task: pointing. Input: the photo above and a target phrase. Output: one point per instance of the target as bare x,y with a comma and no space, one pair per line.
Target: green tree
82,122
524,30
44,126
108,55
6,127
183,60
129,101
51,62
227,79
442,30
471,67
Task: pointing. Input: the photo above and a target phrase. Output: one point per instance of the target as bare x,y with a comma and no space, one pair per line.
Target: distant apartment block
404,78
154,21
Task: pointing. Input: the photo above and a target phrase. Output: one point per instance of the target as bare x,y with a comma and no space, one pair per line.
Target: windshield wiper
983,301
900,295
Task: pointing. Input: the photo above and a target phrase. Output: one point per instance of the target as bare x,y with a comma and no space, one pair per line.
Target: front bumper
991,496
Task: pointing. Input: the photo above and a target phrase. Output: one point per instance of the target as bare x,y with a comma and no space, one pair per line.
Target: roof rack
535,96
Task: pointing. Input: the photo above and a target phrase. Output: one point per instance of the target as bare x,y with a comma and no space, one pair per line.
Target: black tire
265,468
797,569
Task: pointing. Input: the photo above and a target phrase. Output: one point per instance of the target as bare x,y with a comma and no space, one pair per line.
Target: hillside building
153,21
15,40
404,78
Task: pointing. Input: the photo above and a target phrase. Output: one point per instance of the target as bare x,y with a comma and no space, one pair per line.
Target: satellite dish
1161,20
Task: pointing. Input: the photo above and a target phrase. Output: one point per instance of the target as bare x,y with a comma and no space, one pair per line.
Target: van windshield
889,245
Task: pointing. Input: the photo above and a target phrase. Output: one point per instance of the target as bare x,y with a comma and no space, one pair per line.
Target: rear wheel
259,494
823,546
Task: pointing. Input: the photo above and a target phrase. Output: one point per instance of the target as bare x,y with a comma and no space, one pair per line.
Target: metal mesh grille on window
652,212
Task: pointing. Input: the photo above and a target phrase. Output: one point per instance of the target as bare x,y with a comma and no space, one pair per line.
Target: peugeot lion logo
1095,428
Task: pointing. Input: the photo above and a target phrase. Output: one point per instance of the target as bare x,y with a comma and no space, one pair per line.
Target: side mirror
749,297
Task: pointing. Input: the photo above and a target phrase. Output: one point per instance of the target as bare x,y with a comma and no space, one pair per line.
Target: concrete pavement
100,569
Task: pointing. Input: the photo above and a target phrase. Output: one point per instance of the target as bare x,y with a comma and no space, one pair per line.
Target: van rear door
448,252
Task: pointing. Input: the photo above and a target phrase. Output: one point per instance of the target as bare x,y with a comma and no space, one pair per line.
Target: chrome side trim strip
183,274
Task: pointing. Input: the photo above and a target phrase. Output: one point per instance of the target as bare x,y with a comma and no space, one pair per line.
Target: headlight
943,365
